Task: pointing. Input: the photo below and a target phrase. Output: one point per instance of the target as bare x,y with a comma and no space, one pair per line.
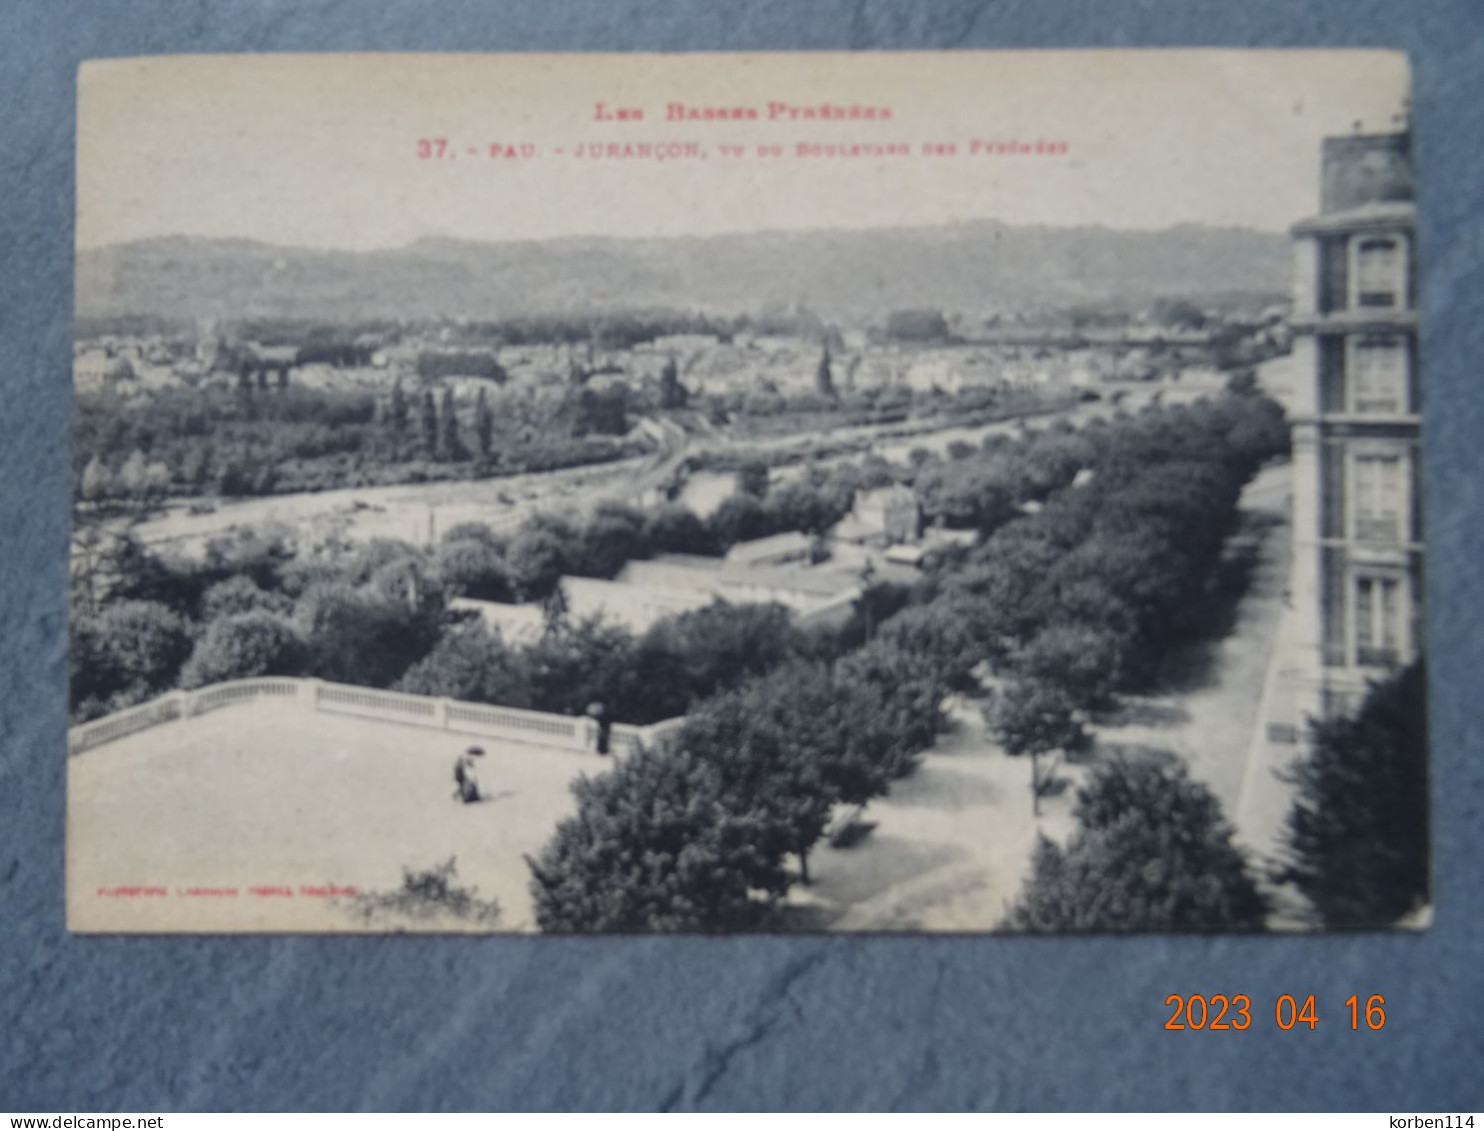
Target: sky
324,150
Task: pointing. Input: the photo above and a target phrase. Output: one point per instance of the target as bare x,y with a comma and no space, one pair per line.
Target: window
1378,375
1376,506
1379,272
1378,620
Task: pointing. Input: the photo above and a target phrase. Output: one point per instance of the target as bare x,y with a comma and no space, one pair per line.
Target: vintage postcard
710,493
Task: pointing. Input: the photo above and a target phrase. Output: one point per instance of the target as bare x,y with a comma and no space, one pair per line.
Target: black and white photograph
966,492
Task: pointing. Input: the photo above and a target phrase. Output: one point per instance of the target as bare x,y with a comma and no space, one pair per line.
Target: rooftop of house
514,622
775,545
742,580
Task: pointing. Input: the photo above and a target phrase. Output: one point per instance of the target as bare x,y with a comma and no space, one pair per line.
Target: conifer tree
484,425
451,445
397,409
430,424
672,393
824,378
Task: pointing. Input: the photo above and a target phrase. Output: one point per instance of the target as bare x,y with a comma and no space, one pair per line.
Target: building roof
635,605
853,528
775,545
1382,214
515,623
802,581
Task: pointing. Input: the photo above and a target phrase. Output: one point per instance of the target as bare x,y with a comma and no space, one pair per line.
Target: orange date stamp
1208,1012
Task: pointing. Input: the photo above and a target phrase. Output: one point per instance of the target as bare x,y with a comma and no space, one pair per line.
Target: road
1209,703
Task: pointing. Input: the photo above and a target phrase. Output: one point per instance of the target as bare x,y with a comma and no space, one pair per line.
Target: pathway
951,845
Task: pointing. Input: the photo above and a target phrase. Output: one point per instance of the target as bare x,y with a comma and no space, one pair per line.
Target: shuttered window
1376,499
1378,378
1379,278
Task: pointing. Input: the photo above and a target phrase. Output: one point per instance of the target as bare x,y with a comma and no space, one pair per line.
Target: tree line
246,440
696,835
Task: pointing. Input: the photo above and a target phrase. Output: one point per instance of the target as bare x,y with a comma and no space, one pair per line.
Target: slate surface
255,1023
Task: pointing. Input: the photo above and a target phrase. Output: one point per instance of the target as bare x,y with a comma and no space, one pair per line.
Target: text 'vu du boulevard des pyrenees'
992,144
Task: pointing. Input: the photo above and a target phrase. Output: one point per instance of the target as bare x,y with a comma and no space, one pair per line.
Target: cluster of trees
641,679
981,488
442,434
138,481
843,402
624,329
477,562
1064,599
378,616
1357,836
249,608
695,835
810,503
254,607
338,352
214,440
926,325
435,364
1076,600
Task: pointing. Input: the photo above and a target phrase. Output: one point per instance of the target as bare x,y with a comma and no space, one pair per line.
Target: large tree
130,651
242,645
655,845
583,662
472,567
537,557
367,635
472,664
1358,830
608,540
891,707
1037,718
697,653
241,594
1083,661
1151,852
771,767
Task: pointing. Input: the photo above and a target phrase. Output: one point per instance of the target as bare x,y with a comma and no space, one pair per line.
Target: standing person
466,775
599,714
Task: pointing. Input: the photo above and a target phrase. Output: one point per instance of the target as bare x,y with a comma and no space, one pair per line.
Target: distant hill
972,266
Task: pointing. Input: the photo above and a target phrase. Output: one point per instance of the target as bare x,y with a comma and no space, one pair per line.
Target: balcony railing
538,728
1374,657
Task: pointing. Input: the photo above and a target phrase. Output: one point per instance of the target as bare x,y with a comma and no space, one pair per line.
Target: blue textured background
958,1022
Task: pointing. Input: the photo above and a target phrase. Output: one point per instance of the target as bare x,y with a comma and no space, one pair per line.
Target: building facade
1357,569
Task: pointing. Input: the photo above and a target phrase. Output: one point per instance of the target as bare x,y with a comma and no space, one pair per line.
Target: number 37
1199,1012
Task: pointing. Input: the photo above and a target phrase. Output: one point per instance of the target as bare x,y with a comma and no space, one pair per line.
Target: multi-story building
1357,567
